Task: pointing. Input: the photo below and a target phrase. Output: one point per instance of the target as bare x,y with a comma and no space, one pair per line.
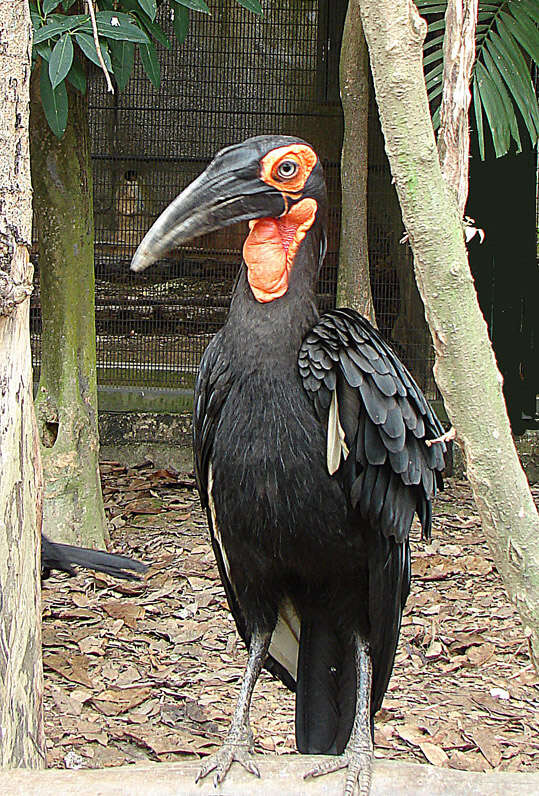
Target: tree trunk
354,287
465,368
21,681
454,133
66,404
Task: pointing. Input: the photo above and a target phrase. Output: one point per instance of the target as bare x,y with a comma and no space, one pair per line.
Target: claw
221,761
359,769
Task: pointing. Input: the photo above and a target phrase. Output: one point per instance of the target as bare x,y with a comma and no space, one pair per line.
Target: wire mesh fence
237,75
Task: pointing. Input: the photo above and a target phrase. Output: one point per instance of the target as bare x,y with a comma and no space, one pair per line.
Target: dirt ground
150,670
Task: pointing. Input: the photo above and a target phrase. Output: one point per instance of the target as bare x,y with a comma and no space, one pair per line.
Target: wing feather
372,407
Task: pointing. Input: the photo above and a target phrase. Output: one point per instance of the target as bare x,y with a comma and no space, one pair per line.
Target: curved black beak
229,191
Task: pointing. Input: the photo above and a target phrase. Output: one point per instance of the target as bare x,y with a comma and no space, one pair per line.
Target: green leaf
437,41
251,5
123,56
435,91
195,5
37,22
426,7
76,77
435,75
495,111
155,30
66,4
48,6
61,60
54,103
525,32
87,45
437,55
439,24
150,62
113,25
507,102
436,118
44,51
54,28
530,7
181,23
521,67
521,90
149,7
478,108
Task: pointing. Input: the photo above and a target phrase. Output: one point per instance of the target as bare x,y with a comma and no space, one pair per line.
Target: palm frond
507,46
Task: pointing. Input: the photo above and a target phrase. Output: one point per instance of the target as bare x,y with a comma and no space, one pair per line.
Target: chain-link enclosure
237,75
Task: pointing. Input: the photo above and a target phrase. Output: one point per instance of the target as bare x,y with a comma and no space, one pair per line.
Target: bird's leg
239,741
358,753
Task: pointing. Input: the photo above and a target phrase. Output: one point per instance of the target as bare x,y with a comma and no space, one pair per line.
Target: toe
327,767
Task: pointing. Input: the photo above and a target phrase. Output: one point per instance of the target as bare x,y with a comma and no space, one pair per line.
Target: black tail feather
65,557
325,691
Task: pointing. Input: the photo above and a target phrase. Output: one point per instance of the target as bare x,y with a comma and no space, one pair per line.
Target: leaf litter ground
150,670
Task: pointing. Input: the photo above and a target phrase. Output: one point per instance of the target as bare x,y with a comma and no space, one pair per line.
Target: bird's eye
287,169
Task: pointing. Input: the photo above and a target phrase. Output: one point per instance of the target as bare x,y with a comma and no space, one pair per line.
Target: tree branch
465,368
454,133
91,11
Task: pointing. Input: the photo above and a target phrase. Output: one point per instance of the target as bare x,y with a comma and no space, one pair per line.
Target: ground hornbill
66,557
310,456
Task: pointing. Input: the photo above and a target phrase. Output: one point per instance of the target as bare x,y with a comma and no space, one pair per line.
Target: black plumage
66,557
310,458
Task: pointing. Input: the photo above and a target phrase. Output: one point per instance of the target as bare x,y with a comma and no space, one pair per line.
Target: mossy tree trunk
354,287
21,680
66,403
465,368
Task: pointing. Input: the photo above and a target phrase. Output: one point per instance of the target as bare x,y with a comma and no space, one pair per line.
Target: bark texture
354,287
465,368
21,684
454,133
66,404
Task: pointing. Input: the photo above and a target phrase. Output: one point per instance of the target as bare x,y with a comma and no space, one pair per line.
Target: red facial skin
272,243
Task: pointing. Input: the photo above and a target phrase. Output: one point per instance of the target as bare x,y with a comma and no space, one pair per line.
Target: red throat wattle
271,247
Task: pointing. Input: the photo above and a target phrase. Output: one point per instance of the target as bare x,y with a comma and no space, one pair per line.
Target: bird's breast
271,491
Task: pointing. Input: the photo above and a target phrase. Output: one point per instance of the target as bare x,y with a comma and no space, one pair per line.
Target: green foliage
122,26
507,47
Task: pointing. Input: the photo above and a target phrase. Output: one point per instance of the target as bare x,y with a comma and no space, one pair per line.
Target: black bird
310,456
66,557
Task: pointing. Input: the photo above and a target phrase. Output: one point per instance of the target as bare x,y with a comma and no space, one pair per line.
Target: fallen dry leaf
168,679
114,701
434,754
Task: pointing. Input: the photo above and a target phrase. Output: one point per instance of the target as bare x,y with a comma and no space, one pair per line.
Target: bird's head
275,182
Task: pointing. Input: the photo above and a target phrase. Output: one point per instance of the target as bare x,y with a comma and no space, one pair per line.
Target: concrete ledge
280,776
165,438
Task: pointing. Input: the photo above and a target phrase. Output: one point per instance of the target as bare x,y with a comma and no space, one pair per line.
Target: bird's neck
273,331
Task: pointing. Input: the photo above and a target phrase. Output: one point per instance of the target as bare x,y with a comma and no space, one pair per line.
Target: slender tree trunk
454,134
465,367
21,685
354,287
66,404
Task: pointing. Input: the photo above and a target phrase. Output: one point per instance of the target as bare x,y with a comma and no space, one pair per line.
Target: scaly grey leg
358,754
239,741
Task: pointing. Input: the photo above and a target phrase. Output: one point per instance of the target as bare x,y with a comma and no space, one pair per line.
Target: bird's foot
358,765
236,749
